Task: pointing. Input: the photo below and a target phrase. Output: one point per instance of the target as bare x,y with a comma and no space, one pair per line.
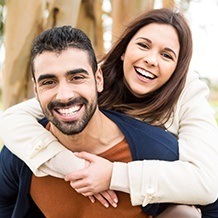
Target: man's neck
98,136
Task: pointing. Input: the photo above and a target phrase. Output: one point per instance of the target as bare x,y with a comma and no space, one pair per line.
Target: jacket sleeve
193,178
34,144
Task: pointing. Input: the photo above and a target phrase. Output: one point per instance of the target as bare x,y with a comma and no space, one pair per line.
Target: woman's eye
143,45
168,56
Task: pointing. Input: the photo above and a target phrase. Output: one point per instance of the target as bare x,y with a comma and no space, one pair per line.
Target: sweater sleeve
193,178
34,144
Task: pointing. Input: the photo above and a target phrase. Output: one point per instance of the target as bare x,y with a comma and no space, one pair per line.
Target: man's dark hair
59,39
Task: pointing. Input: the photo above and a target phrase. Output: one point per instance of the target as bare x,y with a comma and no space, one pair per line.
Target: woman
145,77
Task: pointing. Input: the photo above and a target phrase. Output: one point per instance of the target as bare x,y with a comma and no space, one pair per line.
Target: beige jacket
191,180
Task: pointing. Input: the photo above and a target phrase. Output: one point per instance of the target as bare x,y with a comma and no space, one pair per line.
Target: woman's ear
122,57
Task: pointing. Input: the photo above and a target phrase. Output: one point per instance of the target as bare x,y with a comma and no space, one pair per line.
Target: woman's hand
106,198
94,180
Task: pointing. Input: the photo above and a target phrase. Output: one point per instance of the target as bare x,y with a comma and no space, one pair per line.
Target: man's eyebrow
45,76
76,71
70,72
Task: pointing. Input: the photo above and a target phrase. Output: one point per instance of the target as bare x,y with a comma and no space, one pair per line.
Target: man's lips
70,111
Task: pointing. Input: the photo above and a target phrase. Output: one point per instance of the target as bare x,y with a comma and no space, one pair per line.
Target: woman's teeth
145,73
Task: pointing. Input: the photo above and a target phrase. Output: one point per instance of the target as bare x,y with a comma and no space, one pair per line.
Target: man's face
67,88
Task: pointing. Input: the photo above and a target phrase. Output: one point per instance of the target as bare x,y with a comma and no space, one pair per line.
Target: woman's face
150,58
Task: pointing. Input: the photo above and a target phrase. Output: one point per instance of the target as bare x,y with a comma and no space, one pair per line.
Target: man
67,82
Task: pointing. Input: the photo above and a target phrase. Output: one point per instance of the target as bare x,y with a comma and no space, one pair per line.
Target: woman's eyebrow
171,50
148,40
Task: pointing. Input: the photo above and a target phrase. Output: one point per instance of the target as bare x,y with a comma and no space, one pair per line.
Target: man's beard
74,127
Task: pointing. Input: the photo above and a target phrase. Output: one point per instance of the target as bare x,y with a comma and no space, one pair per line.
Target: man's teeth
145,73
69,111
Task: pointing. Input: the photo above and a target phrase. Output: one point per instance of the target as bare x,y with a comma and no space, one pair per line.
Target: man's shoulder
141,136
125,122
7,156
120,117
9,163
131,124
15,179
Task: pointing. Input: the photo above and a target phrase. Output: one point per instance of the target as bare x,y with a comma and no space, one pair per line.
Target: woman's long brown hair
156,107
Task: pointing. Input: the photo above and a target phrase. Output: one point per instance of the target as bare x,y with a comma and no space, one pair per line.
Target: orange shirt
55,198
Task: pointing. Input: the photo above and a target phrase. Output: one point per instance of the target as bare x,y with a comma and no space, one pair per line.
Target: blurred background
103,21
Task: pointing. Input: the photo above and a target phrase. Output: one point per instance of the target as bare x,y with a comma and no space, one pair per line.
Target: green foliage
0,99
2,4
0,112
214,104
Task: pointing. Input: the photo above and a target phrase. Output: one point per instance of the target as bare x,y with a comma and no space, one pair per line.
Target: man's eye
75,78
47,83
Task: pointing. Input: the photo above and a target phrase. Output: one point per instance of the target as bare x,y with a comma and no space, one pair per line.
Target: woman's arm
37,147
191,180
26,138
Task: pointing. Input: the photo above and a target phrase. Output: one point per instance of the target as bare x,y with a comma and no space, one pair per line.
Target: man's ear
34,86
99,80
35,89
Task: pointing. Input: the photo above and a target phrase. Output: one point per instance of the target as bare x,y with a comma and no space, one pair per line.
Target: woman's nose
151,59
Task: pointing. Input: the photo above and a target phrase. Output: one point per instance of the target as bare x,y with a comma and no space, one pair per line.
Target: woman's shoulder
194,81
193,96
195,88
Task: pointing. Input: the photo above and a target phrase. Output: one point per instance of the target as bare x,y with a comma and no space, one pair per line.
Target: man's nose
65,92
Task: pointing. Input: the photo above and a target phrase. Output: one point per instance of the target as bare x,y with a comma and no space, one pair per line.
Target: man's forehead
69,51
65,61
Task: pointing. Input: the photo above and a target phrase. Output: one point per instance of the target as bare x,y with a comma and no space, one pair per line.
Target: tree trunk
20,28
123,11
26,18
63,12
91,23
169,4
